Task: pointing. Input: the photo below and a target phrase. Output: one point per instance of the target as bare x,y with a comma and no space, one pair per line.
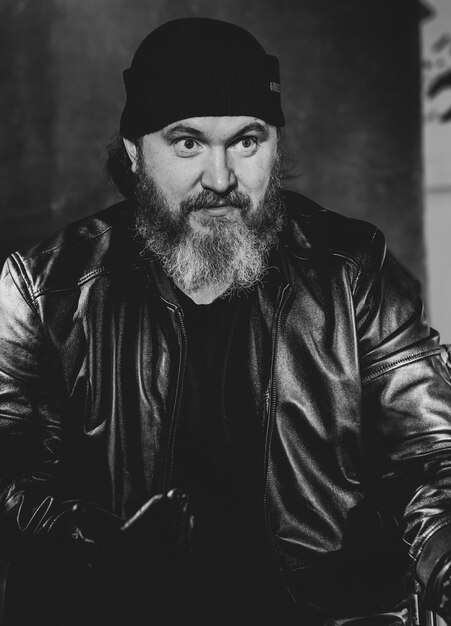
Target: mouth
218,211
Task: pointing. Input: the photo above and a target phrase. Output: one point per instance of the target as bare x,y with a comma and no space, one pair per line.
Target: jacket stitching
364,262
27,283
30,300
285,293
339,253
79,282
66,243
407,359
22,271
424,539
347,257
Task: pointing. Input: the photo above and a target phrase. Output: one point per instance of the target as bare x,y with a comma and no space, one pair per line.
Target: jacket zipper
270,411
177,402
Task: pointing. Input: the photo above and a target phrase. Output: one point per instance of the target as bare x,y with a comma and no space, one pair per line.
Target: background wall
436,51
351,93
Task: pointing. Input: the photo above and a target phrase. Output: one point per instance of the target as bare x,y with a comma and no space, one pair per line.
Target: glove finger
145,516
187,537
78,513
177,494
159,527
181,536
94,522
169,535
85,527
170,516
151,529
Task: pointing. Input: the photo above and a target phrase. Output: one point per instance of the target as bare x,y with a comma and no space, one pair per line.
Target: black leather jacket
355,401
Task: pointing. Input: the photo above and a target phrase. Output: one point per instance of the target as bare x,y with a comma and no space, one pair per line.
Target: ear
132,151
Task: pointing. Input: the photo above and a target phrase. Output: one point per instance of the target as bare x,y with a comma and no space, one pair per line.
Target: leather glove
154,539
438,591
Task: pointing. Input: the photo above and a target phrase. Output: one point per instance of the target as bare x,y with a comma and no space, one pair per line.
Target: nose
218,174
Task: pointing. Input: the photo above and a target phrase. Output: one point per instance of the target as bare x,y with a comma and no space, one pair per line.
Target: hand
162,528
438,592
156,537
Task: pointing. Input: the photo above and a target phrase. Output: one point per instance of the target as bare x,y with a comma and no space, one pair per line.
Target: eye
246,145
187,146
248,142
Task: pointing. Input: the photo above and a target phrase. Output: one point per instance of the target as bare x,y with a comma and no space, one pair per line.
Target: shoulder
317,233
82,250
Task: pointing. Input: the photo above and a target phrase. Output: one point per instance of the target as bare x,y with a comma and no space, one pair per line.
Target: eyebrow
182,129
251,128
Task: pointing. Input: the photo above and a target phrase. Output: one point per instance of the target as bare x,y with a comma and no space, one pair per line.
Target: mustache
208,199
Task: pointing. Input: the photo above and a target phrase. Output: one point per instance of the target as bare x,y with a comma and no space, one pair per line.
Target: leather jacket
355,400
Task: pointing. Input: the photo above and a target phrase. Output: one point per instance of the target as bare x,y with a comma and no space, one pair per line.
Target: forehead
222,127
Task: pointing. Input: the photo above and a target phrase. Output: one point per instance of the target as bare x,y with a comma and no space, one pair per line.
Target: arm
38,512
34,505
407,408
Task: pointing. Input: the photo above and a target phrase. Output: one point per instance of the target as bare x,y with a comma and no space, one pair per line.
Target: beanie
198,67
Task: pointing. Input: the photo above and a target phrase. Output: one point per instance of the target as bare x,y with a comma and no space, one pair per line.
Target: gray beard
227,253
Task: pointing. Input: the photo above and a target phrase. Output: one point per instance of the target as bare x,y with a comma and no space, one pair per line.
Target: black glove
438,591
155,539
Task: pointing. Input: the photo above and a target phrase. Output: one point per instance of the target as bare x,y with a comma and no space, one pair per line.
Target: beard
228,253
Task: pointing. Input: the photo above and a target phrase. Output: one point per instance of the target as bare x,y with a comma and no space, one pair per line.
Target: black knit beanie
197,67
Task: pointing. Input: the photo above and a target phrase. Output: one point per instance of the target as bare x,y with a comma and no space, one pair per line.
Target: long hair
118,167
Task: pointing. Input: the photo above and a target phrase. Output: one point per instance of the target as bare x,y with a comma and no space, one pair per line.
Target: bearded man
220,403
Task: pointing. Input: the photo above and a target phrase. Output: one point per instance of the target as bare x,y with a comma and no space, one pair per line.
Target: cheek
173,178
255,179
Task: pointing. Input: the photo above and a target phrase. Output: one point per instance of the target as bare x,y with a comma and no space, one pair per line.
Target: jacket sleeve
407,405
33,500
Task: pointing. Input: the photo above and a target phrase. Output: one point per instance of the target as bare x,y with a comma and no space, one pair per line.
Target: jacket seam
284,294
66,243
347,257
363,263
338,253
81,281
415,553
30,300
27,284
56,519
397,363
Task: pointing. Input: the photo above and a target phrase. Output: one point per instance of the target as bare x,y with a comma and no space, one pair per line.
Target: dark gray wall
350,80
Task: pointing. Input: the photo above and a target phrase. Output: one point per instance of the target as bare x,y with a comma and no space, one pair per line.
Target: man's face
209,202
213,154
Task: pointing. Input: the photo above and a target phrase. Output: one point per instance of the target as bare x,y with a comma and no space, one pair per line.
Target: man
219,401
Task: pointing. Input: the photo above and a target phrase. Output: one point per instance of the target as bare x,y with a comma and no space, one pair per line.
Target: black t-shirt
219,462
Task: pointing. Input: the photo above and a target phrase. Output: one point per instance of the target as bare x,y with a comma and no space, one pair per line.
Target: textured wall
350,80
